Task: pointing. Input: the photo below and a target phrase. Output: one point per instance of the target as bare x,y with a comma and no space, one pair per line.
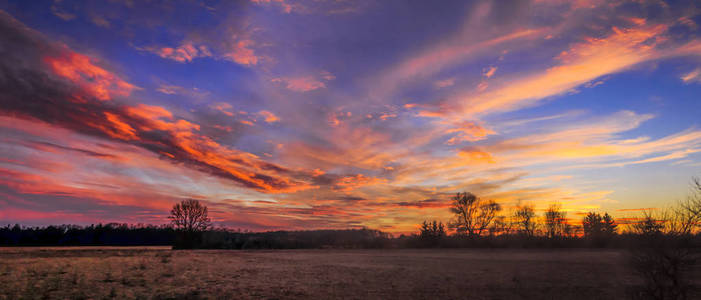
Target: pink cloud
444,83
286,7
305,83
184,53
242,53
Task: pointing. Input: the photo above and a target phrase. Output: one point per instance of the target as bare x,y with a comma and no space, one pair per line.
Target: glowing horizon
333,114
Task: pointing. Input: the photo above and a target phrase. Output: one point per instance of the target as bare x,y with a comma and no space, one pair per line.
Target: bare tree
660,256
473,214
651,224
500,226
555,224
524,220
687,215
189,216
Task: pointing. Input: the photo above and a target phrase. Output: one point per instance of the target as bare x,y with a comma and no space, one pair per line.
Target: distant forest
149,235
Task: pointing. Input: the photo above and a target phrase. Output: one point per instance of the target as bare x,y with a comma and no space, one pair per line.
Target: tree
599,229
608,225
524,219
431,233
555,224
687,215
650,226
472,214
432,229
189,215
500,226
189,218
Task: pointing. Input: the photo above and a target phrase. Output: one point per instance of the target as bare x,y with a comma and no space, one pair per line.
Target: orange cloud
119,129
490,72
580,64
94,80
476,156
468,132
268,116
349,183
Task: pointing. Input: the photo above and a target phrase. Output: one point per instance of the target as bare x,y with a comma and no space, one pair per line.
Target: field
160,273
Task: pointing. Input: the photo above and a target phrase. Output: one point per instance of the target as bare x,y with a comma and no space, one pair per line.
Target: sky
281,114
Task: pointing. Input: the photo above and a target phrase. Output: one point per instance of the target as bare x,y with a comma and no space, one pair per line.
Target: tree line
476,222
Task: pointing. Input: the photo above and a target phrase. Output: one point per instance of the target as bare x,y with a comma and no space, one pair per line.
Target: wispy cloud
305,83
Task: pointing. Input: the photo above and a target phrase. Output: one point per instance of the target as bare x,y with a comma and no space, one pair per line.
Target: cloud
581,63
692,77
442,55
237,50
428,203
468,131
241,52
62,14
169,89
349,183
476,156
315,7
36,91
490,72
95,80
595,145
268,116
444,83
183,53
100,21
305,83
286,7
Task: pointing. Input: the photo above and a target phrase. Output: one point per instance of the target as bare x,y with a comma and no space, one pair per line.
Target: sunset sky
340,114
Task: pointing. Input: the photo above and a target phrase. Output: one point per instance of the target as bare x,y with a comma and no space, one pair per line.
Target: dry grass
158,273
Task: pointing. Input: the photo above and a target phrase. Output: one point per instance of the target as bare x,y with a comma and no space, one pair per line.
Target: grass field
160,273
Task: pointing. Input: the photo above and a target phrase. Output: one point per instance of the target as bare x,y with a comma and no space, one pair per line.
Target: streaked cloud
692,77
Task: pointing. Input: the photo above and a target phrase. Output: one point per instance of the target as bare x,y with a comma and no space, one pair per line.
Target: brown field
160,273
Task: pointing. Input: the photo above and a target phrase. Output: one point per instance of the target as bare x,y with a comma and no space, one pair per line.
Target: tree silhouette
500,226
555,225
650,225
599,229
189,218
595,225
432,229
472,214
431,233
687,215
524,219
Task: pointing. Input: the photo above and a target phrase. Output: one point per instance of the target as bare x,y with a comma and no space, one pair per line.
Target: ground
161,273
